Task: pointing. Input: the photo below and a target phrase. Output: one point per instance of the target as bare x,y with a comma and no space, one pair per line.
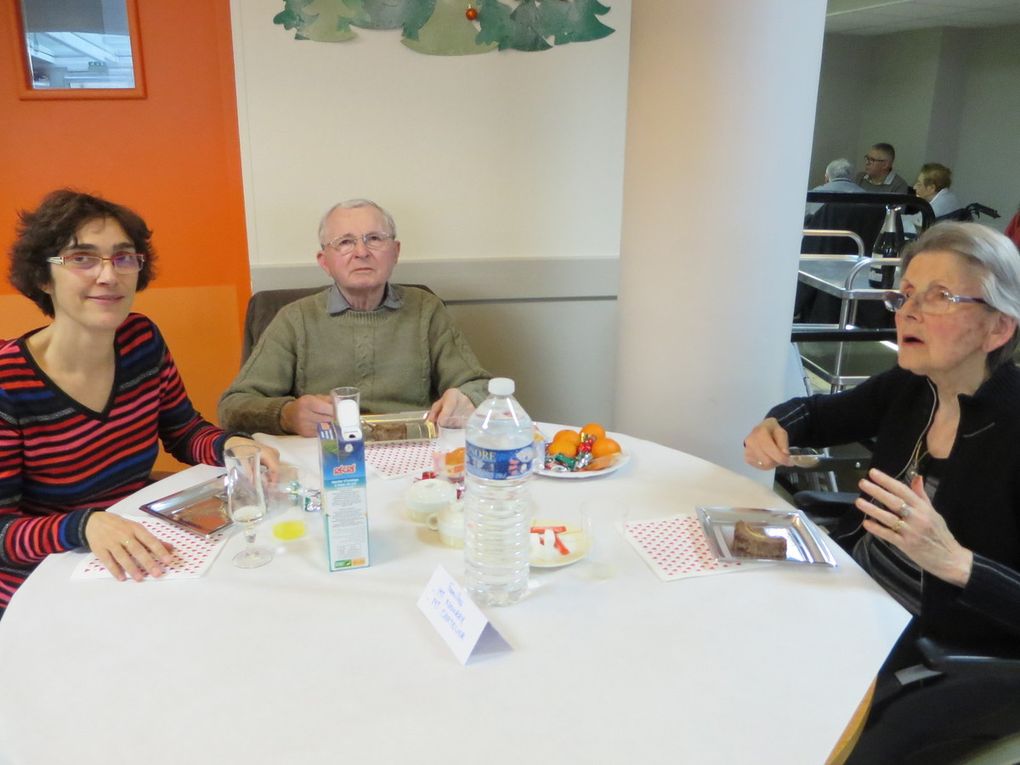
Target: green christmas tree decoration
526,32
442,27
292,15
318,20
494,22
388,14
448,32
583,21
417,16
554,20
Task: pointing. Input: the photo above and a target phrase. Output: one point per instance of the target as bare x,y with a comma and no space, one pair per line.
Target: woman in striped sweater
84,399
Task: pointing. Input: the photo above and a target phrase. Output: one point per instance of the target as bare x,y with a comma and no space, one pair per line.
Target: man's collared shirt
336,303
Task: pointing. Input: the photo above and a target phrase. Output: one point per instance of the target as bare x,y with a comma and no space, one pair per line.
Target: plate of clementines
566,455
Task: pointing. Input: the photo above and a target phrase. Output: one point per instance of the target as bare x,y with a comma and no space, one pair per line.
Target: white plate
621,459
572,536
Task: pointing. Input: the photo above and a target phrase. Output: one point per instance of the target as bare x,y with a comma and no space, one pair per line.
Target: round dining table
289,663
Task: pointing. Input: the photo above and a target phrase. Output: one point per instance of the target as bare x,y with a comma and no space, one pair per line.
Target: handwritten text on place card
456,618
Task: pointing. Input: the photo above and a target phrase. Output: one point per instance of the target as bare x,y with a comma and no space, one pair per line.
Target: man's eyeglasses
346,244
123,262
934,300
869,160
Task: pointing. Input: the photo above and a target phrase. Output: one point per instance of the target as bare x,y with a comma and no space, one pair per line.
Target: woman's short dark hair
45,231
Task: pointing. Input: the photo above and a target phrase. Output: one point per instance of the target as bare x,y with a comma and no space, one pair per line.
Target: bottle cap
501,386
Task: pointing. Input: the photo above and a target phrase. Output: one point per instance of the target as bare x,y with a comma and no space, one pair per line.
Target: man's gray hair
994,254
839,169
351,204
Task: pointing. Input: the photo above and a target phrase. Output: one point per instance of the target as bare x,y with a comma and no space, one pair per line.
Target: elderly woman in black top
941,501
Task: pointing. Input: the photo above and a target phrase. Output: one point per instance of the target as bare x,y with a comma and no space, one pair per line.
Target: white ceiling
874,17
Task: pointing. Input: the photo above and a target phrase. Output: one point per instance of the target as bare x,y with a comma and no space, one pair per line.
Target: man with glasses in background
878,174
398,345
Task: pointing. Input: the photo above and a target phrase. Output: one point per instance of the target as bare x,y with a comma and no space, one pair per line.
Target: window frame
26,90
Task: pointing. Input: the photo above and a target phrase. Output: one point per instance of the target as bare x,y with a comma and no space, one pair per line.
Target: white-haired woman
941,500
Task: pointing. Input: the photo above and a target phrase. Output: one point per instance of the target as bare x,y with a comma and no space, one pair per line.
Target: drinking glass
448,459
246,501
603,518
344,393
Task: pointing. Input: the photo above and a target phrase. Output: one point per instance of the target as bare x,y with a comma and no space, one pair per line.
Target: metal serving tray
803,540
202,508
399,426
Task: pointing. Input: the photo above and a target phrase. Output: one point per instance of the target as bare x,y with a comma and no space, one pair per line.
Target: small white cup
449,522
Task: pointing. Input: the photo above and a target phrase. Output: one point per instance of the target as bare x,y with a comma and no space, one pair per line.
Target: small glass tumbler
448,458
341,394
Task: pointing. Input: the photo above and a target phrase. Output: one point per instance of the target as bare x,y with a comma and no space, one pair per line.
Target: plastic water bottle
497,503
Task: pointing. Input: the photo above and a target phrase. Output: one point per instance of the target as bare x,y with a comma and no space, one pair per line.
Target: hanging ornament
471,13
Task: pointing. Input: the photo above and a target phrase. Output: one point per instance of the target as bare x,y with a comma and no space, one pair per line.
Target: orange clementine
559,446
570,436
594,429
605,447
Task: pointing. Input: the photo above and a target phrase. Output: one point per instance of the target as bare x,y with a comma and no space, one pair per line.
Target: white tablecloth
289,663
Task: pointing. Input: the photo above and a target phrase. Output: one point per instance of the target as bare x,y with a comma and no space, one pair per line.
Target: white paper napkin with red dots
193,553
400,458
676,548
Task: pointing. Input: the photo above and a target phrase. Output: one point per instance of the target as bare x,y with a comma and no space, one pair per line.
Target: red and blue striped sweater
59,460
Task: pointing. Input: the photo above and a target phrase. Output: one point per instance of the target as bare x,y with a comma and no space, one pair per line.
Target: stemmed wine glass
246,501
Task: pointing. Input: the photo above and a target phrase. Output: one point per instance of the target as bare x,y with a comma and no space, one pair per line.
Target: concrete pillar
719,128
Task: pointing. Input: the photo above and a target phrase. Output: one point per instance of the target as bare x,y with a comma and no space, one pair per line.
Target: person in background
839,178
941,502
878,174
85,400
397,345
932,185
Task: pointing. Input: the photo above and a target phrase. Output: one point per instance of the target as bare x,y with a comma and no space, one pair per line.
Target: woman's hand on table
268,456
914,526
125,547
767,445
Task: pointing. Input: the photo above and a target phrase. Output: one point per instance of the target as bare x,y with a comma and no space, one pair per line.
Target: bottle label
499,464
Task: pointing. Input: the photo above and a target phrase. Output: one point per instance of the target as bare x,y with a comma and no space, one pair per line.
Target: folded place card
457,619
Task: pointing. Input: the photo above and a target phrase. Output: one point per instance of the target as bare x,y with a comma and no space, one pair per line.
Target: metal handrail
845,233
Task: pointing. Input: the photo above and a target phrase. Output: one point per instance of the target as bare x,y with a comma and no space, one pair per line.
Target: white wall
506,154
938,95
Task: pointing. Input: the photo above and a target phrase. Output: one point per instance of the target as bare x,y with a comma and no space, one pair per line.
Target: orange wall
173,156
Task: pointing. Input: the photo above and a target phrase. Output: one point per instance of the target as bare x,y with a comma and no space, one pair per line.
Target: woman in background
85,399
941,500
932,185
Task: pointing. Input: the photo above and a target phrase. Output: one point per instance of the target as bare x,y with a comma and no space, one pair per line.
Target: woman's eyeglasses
123,262
934,300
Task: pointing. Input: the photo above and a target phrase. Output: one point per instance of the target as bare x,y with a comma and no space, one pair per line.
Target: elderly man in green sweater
398,345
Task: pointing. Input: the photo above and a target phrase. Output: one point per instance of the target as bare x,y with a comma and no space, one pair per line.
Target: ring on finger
904,510
899,525
126,542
